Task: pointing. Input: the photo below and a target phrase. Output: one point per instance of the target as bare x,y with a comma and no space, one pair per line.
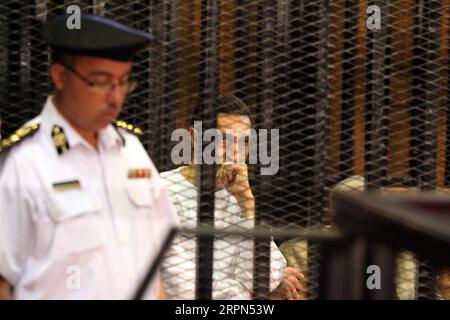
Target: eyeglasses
104,84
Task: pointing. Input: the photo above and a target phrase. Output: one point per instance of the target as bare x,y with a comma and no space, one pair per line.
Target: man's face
237,127
92,108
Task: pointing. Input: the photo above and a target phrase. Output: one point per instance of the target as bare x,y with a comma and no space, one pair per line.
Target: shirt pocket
79,224
141,208
140,192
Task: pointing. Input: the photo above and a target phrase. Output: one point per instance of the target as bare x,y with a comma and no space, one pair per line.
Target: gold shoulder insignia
60,140
130,128
18,136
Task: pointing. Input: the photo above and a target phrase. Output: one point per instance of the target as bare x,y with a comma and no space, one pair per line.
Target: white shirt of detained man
81,224
233,255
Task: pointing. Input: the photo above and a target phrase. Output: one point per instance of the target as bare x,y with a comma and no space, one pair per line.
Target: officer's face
93,107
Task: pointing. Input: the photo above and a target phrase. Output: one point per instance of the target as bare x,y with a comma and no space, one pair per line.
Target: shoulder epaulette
18,136
130,128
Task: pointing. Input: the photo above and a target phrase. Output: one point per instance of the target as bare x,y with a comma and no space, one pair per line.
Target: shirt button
130,277
122,241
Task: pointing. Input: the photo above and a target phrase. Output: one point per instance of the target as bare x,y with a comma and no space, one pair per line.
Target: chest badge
66,186
139,173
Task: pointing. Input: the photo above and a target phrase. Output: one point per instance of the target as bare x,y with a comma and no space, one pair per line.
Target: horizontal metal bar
316,234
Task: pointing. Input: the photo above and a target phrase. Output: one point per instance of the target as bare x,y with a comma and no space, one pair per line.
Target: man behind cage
234,206
83,212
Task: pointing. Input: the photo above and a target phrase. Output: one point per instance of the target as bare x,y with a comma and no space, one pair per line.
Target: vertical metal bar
162,80
268,42
323,107
283,104
377,151
3,64
281,65
268,19
210,69
447,139
334,260
432,37
383,257
160,25
358,261
13,88
135,104
299,110
167,105
296,118
320,145
311,22
378,103
446,23
430,46
242,35
347,259
25,62
39,59
348,86
426,280
417,119
377,142
418,93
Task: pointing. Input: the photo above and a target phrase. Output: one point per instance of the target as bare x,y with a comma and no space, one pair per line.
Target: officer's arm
5,289
16,229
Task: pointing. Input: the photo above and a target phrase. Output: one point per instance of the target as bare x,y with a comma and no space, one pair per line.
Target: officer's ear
58,74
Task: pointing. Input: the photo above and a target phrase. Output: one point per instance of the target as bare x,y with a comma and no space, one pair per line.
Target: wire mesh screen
357,106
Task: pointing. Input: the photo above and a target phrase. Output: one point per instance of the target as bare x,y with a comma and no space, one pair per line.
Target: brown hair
223,103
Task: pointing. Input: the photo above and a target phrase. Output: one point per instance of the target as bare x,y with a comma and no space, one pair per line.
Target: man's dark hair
223,103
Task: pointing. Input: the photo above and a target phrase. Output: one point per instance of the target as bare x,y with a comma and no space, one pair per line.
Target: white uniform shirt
94,241
232,255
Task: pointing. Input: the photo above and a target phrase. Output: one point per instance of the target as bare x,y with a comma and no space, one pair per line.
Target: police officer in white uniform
83,212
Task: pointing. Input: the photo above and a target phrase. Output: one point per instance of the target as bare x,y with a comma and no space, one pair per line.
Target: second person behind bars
234,206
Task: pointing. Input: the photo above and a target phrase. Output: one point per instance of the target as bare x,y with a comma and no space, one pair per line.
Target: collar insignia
60,140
